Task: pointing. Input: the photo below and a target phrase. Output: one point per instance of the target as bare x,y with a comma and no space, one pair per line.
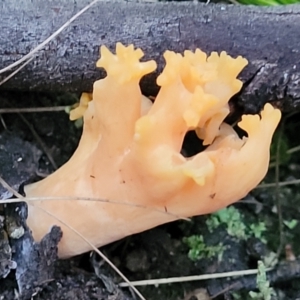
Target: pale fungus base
132,155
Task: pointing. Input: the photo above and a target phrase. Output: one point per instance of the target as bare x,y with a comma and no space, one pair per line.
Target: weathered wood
268,37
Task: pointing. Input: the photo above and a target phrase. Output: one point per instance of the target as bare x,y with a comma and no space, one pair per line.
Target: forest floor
262,227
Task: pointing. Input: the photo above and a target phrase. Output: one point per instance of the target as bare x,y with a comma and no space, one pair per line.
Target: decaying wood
268,37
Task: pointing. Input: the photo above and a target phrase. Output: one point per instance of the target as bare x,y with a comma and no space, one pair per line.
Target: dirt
157,253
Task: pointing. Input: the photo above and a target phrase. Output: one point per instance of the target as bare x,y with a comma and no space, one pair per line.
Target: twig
33,199
293,150
277,188
16,71
274,184
227,289
192,278
3,122
51,37
39,140
32,110
289,151
106,259
10,189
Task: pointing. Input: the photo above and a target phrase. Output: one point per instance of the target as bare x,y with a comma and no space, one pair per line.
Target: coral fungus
134,157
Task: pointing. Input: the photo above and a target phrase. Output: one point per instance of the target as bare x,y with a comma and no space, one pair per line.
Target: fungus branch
130,149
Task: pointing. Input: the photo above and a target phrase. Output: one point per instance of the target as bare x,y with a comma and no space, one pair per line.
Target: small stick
106,259
3,122
282,183
51,37
16,71
39,140
32,110
33,199
192,278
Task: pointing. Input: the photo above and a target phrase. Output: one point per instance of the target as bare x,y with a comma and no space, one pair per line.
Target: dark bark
268,37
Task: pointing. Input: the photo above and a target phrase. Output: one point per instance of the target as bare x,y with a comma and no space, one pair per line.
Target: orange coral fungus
133,157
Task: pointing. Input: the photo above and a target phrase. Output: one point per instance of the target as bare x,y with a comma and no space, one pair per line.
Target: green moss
199,249
265,292
233,220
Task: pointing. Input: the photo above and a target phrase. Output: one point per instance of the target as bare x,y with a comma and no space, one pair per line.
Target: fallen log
268,37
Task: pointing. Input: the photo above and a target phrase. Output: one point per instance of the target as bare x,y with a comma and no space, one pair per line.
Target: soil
162,252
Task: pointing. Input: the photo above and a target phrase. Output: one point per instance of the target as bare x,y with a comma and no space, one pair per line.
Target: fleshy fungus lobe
130,150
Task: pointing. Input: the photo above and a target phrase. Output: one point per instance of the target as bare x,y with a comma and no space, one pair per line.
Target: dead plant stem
277,190
40,141
49,39
16,71
106,259
32,109
192,278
